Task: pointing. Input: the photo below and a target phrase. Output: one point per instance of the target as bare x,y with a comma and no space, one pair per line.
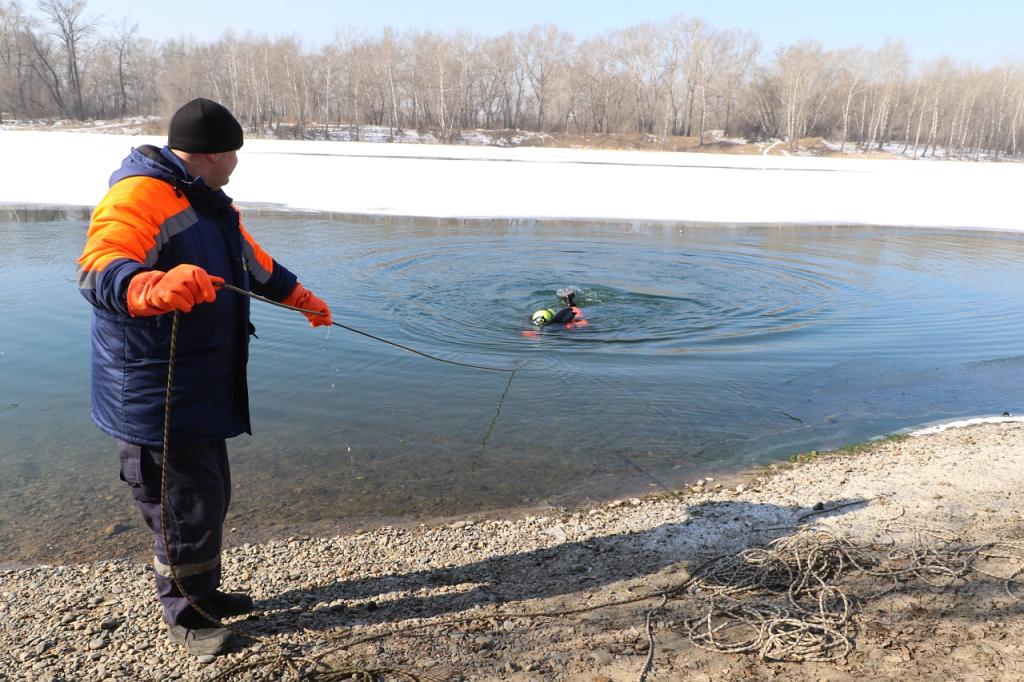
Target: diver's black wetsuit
564,315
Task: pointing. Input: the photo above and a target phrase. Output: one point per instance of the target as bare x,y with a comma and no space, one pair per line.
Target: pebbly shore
485,598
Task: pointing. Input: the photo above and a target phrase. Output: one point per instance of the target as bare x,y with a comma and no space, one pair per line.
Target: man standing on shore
163,239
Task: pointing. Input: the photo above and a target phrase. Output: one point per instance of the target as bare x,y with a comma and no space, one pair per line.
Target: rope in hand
282,658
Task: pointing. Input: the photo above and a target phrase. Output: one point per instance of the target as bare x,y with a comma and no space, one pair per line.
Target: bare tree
544,51
509,75
44,65
22,90
767,104
122,43
600,87
849,81
73,32
890,63
639,50
802,73
711,51
739,62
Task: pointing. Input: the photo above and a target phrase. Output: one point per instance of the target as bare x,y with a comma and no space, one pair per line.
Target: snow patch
467,181
960,423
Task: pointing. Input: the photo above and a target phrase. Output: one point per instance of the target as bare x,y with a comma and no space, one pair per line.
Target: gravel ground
466,600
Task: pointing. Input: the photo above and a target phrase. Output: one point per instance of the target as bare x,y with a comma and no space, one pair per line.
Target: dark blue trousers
197,497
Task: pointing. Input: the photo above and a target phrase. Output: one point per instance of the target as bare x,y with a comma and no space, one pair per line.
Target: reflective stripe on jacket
154,217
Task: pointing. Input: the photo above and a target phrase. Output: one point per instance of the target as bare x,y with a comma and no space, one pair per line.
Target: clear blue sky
982,31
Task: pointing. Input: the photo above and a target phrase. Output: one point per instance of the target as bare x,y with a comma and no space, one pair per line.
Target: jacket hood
162,164
149,161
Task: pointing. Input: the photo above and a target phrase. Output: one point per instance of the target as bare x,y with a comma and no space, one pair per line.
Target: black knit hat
202,125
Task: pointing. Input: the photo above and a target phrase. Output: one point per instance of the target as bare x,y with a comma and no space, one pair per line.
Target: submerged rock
115,528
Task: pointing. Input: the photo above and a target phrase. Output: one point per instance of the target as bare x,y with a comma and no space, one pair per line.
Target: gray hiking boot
200,641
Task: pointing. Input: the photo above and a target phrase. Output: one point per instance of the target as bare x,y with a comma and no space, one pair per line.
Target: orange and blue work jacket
156,216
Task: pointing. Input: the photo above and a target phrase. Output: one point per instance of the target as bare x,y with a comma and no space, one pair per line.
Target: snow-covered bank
487,182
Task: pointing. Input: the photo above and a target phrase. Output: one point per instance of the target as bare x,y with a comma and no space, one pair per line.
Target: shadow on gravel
709,529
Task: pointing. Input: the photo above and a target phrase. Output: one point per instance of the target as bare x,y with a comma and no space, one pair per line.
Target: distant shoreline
817,147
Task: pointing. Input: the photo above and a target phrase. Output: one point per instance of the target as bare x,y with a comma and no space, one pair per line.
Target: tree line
676,78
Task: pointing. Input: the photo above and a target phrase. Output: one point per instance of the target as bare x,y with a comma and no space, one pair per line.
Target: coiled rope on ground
796,598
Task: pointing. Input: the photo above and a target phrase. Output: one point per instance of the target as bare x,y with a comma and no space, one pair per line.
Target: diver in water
570,315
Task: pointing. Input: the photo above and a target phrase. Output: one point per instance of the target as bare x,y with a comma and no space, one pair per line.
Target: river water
709,349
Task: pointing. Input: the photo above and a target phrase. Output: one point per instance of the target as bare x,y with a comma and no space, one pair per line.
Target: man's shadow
704,531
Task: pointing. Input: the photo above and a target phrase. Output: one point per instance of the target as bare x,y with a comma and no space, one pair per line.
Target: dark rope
649,624
243,292
163,475
275,661
501,401
282,659
494,420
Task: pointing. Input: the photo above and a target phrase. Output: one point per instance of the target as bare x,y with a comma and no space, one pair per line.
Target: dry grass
642,142
817,146
808,146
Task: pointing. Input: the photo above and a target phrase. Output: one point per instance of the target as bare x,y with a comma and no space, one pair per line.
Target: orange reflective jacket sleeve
268,277
136,217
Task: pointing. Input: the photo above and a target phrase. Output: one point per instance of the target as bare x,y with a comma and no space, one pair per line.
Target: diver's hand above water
301,297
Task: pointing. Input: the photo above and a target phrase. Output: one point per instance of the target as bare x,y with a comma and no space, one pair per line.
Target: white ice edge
939,427
444,181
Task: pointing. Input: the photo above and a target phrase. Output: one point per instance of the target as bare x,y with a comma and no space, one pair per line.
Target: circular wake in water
476,295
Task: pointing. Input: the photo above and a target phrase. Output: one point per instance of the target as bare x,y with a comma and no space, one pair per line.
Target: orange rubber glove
183,286
301,297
